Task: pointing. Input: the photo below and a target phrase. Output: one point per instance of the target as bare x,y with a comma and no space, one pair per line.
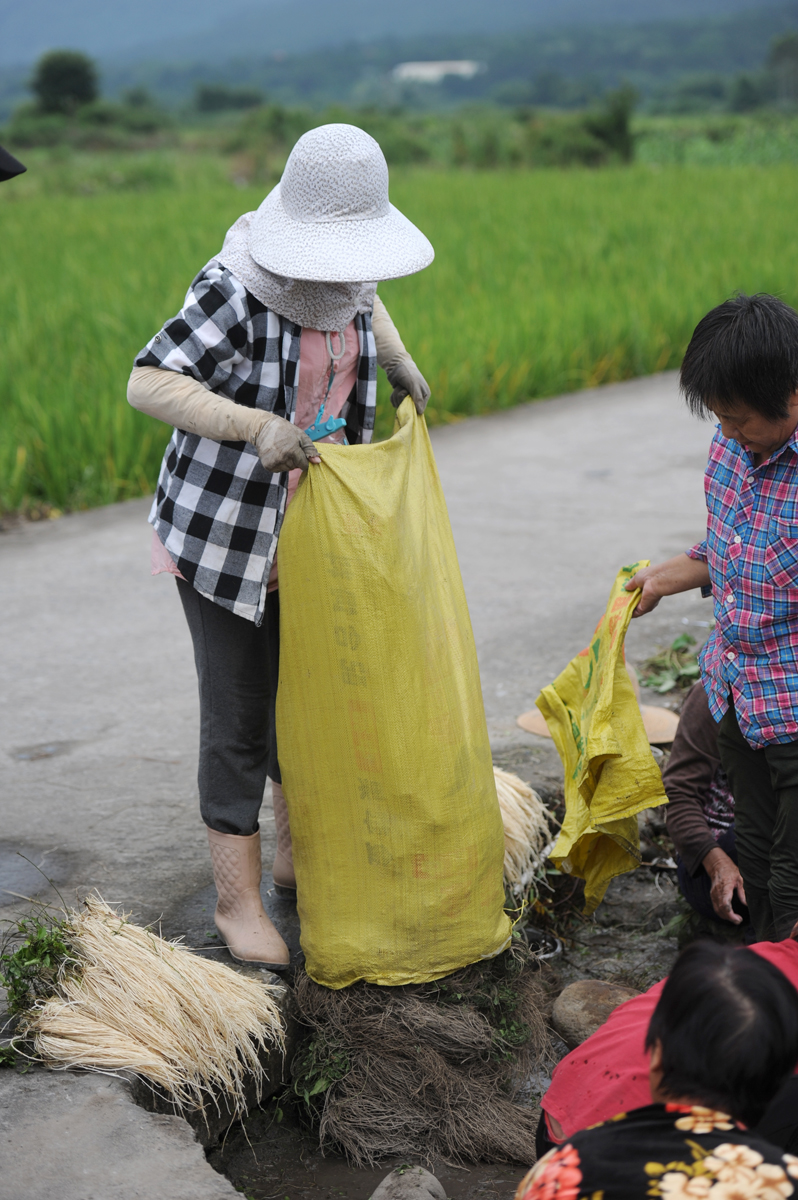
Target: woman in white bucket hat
276,347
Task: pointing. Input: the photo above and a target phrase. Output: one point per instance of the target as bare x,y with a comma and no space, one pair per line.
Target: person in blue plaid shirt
742,367
276,347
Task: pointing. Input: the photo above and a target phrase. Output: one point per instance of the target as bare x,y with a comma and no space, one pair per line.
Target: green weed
315,1068
674,667
33,953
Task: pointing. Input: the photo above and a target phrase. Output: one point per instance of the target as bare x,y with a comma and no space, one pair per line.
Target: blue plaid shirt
751,549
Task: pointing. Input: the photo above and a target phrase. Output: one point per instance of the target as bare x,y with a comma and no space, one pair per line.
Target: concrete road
547,502
98,709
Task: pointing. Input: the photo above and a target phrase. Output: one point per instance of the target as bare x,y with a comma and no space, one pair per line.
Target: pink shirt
608,1073
314,374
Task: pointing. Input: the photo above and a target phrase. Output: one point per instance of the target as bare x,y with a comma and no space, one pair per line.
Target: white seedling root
527,829
130,1000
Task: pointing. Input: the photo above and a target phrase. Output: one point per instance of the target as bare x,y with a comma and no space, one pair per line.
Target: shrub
746,94
612,124
30,127
783,61
63,81
216,97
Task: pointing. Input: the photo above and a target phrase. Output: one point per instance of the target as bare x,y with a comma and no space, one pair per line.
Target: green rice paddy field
544,282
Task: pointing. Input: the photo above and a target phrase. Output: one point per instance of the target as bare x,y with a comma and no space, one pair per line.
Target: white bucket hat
329,218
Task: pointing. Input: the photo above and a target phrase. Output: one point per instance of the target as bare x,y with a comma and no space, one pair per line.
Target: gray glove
397,364
283,447
407,380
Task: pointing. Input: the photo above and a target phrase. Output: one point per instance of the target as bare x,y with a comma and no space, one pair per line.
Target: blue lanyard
323,428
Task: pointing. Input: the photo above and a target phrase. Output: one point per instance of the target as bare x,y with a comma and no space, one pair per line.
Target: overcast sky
184,30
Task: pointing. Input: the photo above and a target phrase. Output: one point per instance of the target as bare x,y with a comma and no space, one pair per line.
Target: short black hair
745,350
727,1021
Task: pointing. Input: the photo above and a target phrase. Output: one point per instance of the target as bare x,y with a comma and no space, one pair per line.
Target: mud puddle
273,1159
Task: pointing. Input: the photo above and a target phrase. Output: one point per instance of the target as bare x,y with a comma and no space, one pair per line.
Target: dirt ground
630,940
273,1157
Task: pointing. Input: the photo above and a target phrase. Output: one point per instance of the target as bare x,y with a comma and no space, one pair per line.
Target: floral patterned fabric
718,805
674,1151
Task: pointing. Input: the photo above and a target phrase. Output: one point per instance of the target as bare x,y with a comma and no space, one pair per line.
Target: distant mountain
196,30
565,67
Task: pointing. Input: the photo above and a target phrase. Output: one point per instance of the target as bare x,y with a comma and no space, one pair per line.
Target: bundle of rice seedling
527,830
426,1070
124,999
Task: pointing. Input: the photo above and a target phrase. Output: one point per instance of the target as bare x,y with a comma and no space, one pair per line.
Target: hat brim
660,724
9,166
533,722
344,251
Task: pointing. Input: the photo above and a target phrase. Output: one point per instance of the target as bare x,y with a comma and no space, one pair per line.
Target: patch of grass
193,1029
544,282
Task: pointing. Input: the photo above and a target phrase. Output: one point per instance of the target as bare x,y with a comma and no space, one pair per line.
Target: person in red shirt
722,1040
609,1072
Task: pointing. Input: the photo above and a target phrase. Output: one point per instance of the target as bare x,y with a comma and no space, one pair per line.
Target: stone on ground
80,1136
409,1183
585,1005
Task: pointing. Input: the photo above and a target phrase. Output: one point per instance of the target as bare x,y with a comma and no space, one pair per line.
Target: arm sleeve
390,347
693,763
208,338
179,400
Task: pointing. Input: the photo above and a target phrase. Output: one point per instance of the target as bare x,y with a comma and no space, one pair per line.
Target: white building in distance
434,72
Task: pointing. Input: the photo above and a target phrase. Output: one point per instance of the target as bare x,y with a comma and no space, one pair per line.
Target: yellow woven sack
610,773
397,834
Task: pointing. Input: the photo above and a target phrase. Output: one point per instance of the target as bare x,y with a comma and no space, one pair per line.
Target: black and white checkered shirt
217,510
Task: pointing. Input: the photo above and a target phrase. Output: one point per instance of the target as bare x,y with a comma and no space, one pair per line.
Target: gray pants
237,669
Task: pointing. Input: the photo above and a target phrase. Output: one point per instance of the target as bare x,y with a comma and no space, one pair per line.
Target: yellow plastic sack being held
610,773
397,835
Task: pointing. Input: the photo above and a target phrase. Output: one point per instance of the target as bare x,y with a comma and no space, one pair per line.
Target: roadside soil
630,940
273,1156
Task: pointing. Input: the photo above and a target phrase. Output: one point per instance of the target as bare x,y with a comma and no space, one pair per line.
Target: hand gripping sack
397,835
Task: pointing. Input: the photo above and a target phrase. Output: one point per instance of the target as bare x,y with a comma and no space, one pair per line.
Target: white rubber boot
283,869
240,918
